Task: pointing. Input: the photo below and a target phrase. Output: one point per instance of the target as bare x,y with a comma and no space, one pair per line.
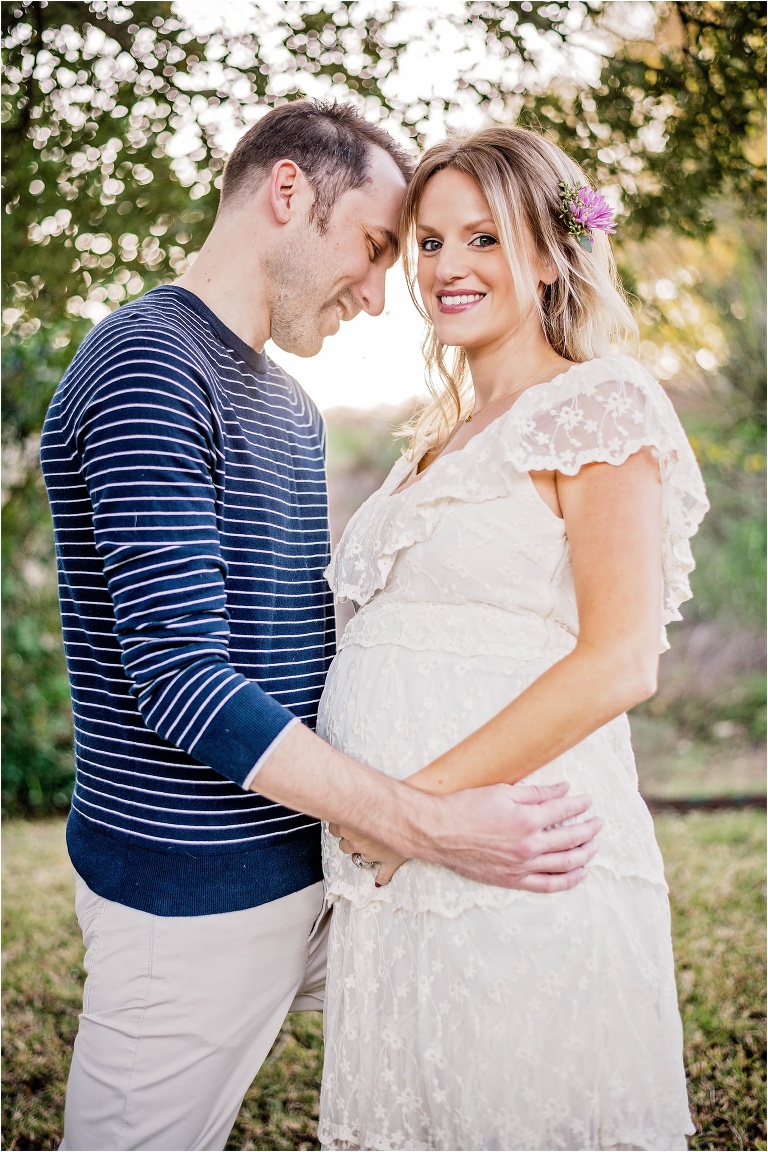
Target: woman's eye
429,245
484,241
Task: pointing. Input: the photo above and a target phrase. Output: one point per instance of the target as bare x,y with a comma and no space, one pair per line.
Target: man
185,472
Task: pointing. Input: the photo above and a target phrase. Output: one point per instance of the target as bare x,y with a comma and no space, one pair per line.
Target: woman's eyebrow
484,223
471,227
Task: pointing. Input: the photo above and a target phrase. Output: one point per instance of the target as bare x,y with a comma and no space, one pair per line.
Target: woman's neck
520,359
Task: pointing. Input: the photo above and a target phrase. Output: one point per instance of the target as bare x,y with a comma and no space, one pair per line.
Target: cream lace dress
459,1015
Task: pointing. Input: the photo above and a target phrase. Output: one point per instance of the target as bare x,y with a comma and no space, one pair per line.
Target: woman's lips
451,303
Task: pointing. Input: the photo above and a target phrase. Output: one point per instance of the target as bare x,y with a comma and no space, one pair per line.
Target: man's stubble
300,302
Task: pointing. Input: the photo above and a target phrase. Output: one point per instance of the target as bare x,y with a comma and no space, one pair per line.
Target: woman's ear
547,272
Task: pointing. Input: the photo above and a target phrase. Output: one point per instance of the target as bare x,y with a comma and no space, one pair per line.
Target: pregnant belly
396,710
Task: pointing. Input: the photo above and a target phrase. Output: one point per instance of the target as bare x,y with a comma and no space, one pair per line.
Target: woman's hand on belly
387,860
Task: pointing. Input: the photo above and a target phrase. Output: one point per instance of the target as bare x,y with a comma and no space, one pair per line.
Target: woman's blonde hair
584,313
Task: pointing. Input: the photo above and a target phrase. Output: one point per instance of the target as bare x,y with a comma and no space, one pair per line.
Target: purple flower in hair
585,212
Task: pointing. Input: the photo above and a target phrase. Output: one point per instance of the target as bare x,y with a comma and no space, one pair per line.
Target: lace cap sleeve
603,412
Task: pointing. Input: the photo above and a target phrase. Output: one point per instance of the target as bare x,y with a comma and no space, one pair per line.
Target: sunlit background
117,120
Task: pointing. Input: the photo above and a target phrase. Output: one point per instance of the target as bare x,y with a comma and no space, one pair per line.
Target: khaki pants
180,1012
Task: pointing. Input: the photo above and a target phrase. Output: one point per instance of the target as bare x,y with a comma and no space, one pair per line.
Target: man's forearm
493,835
310,776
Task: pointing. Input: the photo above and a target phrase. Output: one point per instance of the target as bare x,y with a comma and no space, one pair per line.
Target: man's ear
288,190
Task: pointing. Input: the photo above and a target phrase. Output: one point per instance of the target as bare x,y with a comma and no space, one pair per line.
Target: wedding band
358,861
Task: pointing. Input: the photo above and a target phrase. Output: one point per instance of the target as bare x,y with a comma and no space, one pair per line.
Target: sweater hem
183,882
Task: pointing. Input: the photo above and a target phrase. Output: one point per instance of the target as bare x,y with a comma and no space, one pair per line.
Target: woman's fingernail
376,884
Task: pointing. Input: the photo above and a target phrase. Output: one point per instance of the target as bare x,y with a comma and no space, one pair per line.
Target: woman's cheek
425,291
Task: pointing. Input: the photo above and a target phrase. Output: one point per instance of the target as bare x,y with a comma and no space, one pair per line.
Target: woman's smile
451,301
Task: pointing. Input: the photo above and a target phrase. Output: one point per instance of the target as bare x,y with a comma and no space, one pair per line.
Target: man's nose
371,292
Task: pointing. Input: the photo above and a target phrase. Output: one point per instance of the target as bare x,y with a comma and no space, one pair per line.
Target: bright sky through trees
371,362
118,118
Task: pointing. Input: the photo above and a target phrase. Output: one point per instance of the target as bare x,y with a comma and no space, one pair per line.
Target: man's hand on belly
506,835
535,853
512,836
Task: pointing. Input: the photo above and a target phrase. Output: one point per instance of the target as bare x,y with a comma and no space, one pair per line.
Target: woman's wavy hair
584,313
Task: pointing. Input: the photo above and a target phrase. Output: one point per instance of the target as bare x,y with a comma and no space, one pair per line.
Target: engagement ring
358,861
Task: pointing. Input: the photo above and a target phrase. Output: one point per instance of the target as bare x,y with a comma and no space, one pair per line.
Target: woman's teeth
449,301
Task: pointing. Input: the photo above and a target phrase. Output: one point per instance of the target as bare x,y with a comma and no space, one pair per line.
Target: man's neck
231,284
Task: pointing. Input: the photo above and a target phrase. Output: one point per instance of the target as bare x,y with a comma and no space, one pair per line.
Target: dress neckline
406,483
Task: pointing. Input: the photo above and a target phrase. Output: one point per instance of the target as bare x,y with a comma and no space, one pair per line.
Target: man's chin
304,348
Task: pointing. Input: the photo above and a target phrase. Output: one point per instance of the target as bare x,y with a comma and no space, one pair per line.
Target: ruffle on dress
602,411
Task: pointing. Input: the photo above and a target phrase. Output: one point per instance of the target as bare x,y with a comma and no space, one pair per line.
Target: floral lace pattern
460,1015
553,1028
601,411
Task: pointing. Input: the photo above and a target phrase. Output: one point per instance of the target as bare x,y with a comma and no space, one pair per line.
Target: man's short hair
330,142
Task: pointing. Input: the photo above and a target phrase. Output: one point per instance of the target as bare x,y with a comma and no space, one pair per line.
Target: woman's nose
451,264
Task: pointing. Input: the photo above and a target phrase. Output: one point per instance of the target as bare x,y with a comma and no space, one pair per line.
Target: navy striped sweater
186,478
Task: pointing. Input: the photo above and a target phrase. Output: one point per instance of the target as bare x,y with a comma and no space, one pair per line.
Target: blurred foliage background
116,121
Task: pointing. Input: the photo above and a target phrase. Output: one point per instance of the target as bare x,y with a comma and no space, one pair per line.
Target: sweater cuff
241,732
268,752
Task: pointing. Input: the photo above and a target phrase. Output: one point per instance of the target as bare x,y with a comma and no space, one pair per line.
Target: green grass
716,872
715,865
672,763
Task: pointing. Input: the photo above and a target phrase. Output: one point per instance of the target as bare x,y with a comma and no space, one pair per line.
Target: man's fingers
536,793
547,882
566,836
559,862
557,811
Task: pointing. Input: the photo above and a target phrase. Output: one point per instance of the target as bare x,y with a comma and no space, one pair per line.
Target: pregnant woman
514,575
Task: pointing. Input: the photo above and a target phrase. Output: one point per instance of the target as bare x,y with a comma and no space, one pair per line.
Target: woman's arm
613,520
